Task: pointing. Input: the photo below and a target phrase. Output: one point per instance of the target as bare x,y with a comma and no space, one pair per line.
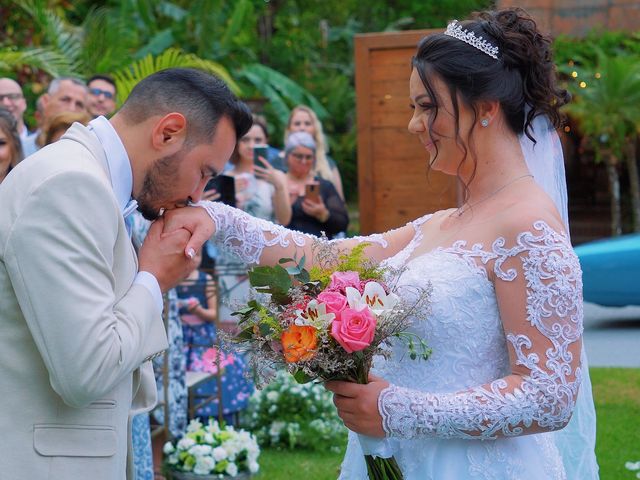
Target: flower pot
176,475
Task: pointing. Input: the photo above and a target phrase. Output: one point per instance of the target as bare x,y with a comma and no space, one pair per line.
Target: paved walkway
612,336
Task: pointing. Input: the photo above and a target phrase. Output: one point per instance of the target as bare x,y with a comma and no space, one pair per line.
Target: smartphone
225,186
312,192
260,151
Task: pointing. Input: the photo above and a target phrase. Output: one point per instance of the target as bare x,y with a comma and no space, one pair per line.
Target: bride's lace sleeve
256,241
539,291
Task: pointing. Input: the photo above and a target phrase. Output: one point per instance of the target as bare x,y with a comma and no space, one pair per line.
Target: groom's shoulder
60,159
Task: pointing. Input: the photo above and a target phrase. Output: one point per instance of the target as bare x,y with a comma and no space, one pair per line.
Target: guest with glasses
12,99
102,95
316,206
10,146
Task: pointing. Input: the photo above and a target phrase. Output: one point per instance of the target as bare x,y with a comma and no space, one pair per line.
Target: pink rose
335,301
354,330
341,280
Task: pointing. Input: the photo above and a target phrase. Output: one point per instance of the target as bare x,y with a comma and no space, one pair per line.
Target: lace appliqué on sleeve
545,398
246,237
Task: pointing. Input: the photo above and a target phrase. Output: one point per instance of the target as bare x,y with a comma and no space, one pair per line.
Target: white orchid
374,297
315,315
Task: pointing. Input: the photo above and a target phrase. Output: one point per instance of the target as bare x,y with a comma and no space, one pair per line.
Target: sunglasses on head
97,92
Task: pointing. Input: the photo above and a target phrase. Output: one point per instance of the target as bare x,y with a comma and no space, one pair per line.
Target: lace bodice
471,388
505,328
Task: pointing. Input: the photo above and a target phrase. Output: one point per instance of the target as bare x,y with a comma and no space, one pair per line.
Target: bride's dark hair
522,78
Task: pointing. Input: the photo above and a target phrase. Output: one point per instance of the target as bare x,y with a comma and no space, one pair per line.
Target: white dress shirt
122,182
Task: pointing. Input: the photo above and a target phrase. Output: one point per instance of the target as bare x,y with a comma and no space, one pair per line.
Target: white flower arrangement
286,414
213,451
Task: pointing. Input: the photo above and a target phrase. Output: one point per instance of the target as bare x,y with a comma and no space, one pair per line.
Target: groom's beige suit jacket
76,333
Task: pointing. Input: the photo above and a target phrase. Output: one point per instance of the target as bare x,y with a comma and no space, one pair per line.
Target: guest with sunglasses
316,206
102,95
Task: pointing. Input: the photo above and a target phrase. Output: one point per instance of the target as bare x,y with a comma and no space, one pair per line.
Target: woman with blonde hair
304,119
59,124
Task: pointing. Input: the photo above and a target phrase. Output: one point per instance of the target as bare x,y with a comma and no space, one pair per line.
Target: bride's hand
194,219
358,405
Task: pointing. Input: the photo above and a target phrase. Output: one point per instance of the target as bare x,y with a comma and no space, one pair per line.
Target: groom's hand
358,405
195,220
163,255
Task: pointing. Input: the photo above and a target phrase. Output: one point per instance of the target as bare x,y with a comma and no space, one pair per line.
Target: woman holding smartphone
317,207
261,189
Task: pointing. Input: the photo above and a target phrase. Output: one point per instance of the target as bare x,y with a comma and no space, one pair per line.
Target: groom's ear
169,133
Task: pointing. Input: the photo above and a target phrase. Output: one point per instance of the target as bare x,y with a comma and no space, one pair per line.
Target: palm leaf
128,77
108,40
45,59
57,33
278,89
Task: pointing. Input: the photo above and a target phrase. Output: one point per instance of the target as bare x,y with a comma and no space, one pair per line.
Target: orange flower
299,343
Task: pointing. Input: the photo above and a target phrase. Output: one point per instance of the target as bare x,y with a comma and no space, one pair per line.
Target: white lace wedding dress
464,414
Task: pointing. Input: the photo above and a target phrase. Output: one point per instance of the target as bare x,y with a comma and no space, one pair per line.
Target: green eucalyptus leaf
302,377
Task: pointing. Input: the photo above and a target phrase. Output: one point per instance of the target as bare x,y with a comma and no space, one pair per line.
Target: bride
508,370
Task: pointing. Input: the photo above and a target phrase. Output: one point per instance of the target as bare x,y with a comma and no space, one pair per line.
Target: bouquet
328,322
212,450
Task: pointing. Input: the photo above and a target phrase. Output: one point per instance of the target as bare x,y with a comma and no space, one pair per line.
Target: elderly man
65,94
12,99
102,95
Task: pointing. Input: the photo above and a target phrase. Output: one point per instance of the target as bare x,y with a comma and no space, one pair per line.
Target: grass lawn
299,464
617,398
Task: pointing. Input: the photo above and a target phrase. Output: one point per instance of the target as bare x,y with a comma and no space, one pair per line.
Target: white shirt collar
117,162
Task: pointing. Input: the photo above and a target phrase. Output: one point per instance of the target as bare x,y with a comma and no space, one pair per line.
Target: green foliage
286,414
353,261
128,77
607,100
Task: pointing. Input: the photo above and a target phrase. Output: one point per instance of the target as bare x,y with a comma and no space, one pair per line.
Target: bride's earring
484,122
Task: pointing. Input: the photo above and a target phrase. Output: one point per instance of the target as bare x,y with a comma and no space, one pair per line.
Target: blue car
611,270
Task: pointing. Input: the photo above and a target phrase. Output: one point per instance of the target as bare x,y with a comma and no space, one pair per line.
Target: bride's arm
257,241
539,291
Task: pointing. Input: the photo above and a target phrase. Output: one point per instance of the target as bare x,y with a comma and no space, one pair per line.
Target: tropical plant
607,107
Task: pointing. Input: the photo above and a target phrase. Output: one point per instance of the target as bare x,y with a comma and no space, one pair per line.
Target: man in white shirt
80,315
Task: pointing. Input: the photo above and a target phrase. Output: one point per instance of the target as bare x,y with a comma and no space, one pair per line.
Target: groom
80,315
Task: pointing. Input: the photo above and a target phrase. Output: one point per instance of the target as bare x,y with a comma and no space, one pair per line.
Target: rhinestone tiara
455,30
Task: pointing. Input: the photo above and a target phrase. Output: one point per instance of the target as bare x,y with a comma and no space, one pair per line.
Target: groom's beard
157,186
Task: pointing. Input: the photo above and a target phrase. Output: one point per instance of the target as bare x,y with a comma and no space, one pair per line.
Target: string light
574,74
597,75
583,84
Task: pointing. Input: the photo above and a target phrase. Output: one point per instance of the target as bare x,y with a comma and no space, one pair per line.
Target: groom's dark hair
201,97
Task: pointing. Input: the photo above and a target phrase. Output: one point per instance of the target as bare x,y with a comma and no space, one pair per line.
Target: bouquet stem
382,468
378,468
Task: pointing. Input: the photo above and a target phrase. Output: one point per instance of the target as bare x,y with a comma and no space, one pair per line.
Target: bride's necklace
464,208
